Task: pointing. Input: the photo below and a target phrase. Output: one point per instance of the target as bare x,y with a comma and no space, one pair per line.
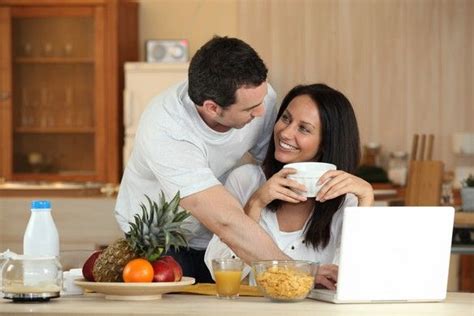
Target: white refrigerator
143,81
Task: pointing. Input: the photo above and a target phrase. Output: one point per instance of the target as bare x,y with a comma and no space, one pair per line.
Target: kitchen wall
407,66
194,20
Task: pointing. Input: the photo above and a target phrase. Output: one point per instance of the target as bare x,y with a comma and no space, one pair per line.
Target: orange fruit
138,270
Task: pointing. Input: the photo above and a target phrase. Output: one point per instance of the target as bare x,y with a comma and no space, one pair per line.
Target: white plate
134,291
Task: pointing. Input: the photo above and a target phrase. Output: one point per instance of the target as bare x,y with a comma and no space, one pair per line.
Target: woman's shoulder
244,180
246,171
349,200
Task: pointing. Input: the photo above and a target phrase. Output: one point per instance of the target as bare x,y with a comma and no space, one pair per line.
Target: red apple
163,272
89,266
178,271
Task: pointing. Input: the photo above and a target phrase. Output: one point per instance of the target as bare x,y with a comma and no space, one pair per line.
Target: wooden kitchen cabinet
61,81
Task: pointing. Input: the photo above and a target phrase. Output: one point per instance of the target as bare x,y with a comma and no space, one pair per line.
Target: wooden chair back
425,176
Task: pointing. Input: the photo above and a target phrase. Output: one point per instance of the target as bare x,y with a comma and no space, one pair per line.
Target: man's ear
211,108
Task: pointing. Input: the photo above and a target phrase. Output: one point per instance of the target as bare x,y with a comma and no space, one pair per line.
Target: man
191,136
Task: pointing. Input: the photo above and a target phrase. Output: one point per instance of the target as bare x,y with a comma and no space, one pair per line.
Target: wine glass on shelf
88,109
25,110
68,106
27,49
81,108
44,108
36,161
68,49
47,49
31,103
54,99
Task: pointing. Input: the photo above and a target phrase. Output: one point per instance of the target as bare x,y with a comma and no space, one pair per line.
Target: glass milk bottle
41,237
398,167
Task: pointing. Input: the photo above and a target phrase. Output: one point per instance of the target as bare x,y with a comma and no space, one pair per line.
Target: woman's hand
340,182
327,276
277,187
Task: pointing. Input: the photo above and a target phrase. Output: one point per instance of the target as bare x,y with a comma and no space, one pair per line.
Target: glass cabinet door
56,79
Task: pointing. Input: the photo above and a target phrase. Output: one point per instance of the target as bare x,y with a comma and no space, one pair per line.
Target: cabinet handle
4,96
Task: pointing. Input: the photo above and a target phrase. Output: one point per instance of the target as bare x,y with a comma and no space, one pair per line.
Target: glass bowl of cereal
285,280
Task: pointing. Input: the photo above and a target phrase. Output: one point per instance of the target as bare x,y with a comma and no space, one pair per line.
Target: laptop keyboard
322,294
325,291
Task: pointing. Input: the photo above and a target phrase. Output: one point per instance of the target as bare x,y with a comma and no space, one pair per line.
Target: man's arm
222,214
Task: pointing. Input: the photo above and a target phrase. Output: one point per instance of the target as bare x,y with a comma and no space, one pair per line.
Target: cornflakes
285,283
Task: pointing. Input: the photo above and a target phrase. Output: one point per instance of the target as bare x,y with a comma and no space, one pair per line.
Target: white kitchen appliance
143,81
393,255
167,51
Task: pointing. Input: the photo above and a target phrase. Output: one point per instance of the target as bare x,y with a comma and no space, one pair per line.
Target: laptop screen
395,253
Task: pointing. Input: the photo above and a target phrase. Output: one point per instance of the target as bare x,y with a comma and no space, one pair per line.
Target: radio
167,51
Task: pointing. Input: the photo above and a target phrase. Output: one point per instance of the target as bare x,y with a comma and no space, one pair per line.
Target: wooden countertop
397,195
57,189
184,304
49,193
464,219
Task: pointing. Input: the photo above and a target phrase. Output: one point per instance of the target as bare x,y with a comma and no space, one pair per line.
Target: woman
314,123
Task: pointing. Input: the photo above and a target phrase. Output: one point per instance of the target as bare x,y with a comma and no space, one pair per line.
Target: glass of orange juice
227,273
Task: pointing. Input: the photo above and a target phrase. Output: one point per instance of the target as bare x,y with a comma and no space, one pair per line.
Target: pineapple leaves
162,199
158,227
155,256
167,240
173,205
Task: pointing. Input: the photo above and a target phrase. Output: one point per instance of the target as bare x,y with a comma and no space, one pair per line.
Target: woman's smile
297,131
286,146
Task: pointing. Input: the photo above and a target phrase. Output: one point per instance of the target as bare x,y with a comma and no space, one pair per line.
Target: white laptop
393,254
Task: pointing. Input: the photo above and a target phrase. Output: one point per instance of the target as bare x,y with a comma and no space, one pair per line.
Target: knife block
425,179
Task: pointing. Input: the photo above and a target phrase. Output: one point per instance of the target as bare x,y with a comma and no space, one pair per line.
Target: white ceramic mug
308,174
69,287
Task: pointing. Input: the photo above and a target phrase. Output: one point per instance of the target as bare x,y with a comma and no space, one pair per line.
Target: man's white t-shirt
242,183
174,150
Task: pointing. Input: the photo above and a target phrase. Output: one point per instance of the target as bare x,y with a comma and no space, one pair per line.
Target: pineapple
151,234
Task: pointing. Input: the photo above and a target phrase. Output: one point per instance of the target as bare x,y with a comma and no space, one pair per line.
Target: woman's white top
242,183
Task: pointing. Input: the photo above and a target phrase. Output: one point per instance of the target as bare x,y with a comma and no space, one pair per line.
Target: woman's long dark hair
339,145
